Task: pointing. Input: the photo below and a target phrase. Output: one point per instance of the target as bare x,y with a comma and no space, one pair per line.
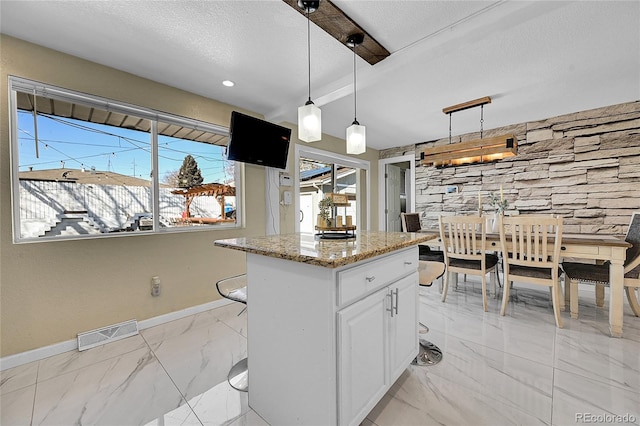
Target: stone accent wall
397,151
583,166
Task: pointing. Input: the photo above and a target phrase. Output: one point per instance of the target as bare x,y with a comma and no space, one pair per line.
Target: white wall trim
382,198
72,345
272,200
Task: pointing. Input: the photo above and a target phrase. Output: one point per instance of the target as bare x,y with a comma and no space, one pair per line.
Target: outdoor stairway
74,223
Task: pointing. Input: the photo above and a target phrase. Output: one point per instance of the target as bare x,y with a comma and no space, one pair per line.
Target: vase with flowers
499,205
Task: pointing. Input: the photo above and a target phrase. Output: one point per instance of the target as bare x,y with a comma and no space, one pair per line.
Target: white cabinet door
403,327
362,356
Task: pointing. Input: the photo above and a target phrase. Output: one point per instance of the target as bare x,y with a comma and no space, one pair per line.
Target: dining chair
464,240
411,223
531,253
576,273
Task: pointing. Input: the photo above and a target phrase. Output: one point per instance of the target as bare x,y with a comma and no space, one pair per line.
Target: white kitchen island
331,324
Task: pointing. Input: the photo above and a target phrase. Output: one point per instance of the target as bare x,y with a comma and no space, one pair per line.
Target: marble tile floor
513,370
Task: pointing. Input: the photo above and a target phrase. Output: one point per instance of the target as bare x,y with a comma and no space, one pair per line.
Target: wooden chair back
410,222
532,241
633,237
463,237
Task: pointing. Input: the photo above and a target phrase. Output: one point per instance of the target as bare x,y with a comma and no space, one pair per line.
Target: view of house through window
317,180
83,169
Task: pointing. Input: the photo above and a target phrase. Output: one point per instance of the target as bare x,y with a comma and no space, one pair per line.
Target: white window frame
54,92
302,151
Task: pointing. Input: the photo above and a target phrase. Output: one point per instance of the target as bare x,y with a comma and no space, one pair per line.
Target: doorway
396,190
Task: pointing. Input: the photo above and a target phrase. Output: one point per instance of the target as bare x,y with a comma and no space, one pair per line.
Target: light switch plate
285,180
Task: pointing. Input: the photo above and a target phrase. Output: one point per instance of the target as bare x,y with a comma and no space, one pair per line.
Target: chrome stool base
239,376
429,354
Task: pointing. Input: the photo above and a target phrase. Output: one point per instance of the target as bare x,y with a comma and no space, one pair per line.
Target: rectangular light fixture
474,151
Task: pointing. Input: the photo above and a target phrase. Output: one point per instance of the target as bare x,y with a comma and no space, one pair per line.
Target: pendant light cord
481,120
355,91
309,51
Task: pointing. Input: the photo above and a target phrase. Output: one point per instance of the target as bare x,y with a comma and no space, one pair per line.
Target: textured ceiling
536,59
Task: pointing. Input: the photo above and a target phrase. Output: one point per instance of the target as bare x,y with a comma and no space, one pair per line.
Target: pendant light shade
356,134
309,122
356,138
309,115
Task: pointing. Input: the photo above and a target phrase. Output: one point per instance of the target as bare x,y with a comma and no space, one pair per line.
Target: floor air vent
111,333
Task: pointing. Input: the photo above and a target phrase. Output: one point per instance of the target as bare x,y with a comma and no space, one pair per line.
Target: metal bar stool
429,354
235,288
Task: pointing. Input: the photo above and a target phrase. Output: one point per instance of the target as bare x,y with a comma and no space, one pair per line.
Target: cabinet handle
408,263
390,294
369,279
396,301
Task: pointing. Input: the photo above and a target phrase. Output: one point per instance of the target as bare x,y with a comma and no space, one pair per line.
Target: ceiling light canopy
356,134
309,115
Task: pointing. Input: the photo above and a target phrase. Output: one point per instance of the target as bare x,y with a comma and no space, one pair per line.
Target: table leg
616,280
599,295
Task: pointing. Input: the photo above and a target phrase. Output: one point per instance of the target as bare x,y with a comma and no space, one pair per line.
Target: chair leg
556,304
560,297
599,295
567,291
493,278
446,285
573,284
484,293
505,296
633,301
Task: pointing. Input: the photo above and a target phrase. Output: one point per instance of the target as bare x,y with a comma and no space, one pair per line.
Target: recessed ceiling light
228,83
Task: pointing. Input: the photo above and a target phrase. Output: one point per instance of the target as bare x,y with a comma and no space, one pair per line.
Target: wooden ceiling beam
337,24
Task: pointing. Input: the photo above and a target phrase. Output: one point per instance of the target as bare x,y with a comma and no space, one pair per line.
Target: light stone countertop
305,248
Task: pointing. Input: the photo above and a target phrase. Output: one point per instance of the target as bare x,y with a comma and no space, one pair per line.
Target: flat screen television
256,141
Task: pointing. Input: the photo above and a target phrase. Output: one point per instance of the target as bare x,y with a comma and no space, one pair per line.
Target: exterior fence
111,207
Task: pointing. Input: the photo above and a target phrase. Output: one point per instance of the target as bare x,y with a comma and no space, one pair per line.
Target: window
350,176
318,178
82,166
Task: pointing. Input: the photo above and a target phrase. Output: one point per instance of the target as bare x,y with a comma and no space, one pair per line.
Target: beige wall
51,291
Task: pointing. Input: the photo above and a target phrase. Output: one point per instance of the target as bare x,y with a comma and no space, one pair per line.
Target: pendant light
309,115
356,134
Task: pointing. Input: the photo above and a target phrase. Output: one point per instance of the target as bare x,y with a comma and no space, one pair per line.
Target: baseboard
16,360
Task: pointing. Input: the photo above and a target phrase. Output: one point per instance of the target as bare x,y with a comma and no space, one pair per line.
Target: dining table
596,247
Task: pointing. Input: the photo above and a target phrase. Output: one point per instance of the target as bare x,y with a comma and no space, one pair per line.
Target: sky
69,143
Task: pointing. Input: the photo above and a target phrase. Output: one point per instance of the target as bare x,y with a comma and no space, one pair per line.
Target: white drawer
355,282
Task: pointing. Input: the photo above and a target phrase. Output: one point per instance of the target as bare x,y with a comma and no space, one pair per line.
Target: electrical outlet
155,286
286,198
